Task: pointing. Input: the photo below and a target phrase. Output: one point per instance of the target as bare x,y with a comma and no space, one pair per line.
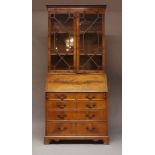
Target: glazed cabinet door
62,42
91,42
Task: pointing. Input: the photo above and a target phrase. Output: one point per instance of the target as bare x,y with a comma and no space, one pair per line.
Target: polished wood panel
49,43
91,115
73,10
69,104
105,139
76,83
61,129
76,115
60,96
76,6
91,96
61,115
92,129
76,98
60,105
74,128
103,44
91,104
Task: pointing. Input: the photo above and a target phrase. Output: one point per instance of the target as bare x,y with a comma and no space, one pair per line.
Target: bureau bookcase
76,90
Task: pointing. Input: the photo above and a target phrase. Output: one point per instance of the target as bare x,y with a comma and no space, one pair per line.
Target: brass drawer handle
62,97
61,116
90,97
91,129
61,105
91,105
62,129
90,116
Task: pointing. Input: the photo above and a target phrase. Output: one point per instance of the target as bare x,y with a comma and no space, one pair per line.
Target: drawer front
60,96
60,129
61,115
91,115
77,115
92,129
61,105
76,129
91,104
91,96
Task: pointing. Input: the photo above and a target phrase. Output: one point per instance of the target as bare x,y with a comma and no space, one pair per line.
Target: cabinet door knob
61,116
90,97
62,128
61,105
90,116
91,129
62,97
90,105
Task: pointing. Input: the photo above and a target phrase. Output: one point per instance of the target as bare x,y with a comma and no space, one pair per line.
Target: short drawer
60,96
92,115
91,104
91,96
92,129
60,129
61,104
60,115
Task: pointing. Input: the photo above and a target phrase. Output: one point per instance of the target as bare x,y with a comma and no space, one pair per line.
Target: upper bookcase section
76,38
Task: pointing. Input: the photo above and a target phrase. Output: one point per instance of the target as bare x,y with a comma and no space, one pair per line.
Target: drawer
60,96
91,115
91,96
77,115
61,104
91,104
92,129
60,129
61,115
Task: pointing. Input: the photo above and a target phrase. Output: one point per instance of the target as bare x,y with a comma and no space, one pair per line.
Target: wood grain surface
76,105
76,83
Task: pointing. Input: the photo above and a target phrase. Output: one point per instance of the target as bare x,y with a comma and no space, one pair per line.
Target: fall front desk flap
76,83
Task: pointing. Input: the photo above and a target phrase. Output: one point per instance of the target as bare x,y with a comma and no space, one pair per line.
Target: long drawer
77,96
79,129
68,104
76,115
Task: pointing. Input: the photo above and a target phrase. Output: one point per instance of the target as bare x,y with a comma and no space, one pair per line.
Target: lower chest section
76,114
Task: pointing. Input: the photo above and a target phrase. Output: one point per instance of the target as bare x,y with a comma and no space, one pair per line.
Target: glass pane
90,41
62,63
62,41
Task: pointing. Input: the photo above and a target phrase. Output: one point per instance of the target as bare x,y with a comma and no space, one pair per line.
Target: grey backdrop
114,72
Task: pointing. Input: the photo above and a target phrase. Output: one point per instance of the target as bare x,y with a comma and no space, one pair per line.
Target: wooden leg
46,140
105,140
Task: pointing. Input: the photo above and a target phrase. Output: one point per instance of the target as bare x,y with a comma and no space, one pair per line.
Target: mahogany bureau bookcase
76,90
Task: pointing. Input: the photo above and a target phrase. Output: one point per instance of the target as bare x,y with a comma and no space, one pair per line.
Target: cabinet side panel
49,41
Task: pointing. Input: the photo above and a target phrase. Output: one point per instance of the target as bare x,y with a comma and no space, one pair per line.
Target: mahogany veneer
76,90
